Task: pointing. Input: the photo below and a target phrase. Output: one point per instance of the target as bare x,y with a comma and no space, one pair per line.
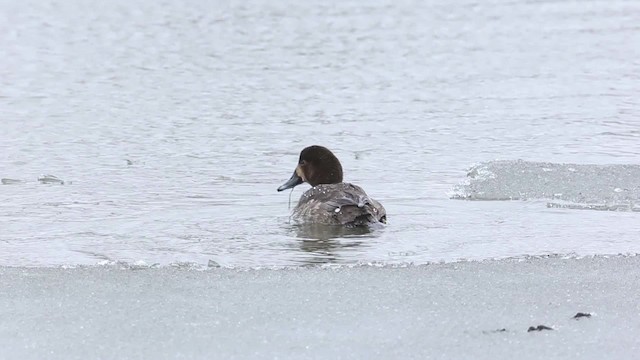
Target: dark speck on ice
538,328
581,315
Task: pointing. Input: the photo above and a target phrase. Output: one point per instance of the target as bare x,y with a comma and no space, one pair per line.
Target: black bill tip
294,181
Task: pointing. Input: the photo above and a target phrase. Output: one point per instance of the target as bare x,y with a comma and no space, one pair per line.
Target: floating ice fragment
50,179
213,264
593,187
6,181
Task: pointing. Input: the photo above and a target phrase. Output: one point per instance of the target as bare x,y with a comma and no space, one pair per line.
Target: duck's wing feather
344,204
358,200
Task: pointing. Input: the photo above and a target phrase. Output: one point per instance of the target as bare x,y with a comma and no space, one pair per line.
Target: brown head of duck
316,165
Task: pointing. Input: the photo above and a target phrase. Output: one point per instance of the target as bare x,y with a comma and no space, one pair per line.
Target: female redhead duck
330,201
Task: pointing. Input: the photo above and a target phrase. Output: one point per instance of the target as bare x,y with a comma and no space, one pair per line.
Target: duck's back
339,204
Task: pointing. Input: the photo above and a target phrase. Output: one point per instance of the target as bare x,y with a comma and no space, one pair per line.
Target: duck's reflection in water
323,244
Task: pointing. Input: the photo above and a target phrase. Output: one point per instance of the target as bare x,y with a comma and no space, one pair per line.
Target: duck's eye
303,162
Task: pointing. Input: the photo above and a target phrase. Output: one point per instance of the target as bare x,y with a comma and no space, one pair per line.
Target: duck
330,201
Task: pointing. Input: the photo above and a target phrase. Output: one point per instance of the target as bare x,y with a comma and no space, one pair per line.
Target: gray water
157,132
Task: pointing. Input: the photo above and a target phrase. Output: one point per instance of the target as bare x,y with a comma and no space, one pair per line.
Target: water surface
172,123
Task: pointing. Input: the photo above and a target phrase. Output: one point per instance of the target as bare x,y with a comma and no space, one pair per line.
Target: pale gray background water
172,123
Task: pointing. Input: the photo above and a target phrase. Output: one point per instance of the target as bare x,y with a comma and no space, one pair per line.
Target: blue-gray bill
294,181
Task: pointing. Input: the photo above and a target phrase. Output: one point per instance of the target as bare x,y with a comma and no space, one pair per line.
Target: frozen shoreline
455,310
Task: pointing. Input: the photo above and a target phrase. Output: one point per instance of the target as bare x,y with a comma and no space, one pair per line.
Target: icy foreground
479,310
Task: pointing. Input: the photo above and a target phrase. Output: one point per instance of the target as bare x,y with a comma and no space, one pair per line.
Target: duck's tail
361,214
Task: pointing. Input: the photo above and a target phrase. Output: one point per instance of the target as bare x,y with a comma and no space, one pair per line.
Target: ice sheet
454,311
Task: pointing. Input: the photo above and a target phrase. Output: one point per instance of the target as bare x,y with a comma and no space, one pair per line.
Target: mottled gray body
339,204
